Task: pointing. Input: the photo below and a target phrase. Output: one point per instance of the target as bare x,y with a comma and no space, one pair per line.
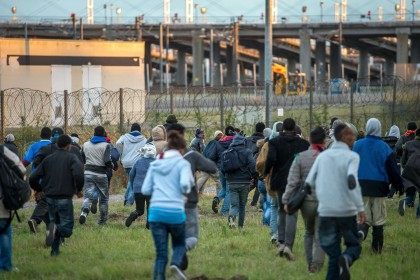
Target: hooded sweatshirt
33,150
159,138
393,135
139,170
168,181
97,156
378,166
129,146
247,170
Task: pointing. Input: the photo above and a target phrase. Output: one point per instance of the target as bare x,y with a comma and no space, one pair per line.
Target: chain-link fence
25,111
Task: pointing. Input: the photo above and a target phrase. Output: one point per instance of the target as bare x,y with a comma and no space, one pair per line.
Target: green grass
115,252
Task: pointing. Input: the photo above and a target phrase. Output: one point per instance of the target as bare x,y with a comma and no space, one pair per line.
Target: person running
298,172
340,203
34,148
59,177
40,213
168,181
238,166
411,174
9,142
6,248
215,155
129,146
97,158
75,140
203,165
137,175
393,136
408,135
159,138
197,144
281,152
377,169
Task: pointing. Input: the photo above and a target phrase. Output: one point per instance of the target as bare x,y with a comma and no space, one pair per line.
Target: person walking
281,152
129,146
34,148
238,166
298,172
197,144
168,181
6,248
334,178
137,175
393,136
377,169
59,177
159,138
9,142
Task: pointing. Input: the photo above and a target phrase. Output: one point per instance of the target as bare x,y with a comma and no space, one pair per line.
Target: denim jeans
224,194
160,232
191,228
274,217
40,213
238,198
6,247
331,230
61,214
266,205
96,187
129,192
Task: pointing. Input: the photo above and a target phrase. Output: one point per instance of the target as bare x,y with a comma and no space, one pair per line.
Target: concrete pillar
147,62
415,49
321,65
291,65
402,52
198,58
216,64
232,57
305,53
260,78
335,61
363,67
180,68
242,73
389,67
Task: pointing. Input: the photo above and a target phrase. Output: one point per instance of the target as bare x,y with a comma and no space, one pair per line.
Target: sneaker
273,239
49,239
82,218
280,251
287,252
215,205
361,235
176,273
131,218
312,268
401,207
32,226
94,207
344,264
54,253
231,221
418,212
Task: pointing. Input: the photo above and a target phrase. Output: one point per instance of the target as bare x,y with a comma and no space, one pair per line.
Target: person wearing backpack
238,166
13,164
411,174
60,177
281,153
97,158
40,213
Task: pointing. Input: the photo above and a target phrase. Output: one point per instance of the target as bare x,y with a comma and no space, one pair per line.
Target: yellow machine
288,83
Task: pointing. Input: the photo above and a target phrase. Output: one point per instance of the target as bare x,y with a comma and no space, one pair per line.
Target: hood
148,151
97,139
135,137
226,141
159,133
267,132
165,162
238,140
278,126
353,128
394,131
373,127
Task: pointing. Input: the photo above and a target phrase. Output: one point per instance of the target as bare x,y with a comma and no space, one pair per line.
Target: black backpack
15,191
230,161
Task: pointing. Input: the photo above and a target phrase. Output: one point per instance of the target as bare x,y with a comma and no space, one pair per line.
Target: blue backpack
230,161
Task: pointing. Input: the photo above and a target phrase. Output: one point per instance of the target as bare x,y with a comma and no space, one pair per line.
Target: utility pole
268,57
161,57
167,59
211,59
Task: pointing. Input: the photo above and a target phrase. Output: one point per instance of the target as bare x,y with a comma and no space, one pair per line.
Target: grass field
115,252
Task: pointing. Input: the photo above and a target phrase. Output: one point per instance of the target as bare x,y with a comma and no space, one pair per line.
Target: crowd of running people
338,177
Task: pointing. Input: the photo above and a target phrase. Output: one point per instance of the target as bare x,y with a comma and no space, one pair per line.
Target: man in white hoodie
129,146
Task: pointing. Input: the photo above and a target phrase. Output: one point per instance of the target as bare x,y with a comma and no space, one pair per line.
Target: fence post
171,100
311,108
351,105
2,108
222,109
394,101
121,120
66,111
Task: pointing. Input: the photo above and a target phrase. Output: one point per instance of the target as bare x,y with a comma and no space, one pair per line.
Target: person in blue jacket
33,149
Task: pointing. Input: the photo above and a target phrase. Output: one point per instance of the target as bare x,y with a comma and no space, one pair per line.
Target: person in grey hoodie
129,146
297,174
334,176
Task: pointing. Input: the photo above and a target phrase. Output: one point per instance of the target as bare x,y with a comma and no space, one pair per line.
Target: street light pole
413,2
321,4
268,57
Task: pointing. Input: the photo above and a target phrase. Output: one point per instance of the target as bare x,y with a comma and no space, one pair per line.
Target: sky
215,8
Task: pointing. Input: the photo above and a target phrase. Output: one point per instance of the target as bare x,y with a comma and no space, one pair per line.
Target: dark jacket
220,146
50,149
251,142
61,175
197,144
410,148
198,163
247,170
391,141
411,175
138,173
400,143
281,153
378,167
12,147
